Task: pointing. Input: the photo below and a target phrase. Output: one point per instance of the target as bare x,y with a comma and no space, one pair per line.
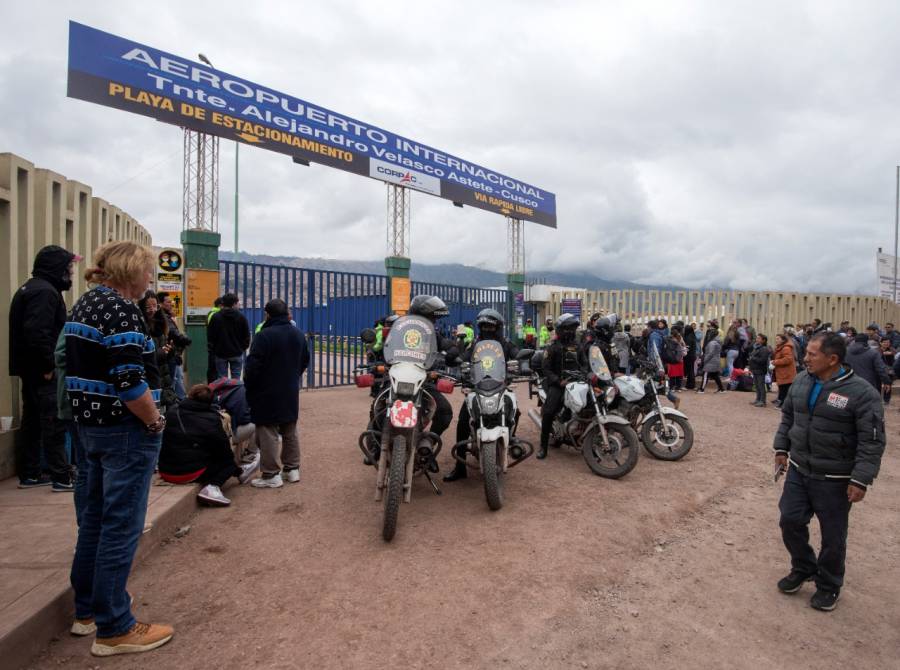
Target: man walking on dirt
831,439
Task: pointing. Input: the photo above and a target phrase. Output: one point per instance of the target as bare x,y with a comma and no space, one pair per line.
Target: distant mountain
446,273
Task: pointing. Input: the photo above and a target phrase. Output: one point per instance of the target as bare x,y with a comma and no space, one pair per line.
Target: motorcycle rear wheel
671,447
618,458
394,494
493,478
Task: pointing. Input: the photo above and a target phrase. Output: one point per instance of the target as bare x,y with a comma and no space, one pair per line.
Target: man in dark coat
278,357
831,440
868,363
37,315
229,337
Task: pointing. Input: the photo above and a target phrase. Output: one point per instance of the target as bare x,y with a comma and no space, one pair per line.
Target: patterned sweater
110,358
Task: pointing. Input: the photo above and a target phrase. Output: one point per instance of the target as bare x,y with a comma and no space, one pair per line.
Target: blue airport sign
115,72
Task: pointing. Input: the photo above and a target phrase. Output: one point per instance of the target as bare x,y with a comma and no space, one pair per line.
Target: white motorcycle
608,443
492,409
401,414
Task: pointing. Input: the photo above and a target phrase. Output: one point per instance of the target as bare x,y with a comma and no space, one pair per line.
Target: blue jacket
656,341
278,358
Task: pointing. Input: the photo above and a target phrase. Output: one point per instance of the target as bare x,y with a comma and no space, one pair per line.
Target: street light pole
237,146
896,229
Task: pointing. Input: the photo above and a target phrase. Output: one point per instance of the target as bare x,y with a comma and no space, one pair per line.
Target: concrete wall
40,207
767,311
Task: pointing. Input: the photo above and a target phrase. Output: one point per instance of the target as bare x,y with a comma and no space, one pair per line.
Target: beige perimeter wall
767,311
40,207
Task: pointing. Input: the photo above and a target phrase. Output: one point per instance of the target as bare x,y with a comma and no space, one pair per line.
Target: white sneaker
212,495
273,482
248,470
293,476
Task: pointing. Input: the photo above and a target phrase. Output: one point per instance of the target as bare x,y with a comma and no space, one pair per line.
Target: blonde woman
113,387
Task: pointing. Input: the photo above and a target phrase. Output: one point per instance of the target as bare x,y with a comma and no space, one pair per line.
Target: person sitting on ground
196,447
230,395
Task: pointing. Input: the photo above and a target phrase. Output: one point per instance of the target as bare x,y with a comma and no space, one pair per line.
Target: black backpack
670,351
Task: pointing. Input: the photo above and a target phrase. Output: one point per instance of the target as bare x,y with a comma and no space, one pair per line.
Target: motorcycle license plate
404,414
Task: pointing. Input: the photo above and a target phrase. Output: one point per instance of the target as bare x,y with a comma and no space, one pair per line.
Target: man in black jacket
868,362
37,315
229,337
278,358
562,356
831,439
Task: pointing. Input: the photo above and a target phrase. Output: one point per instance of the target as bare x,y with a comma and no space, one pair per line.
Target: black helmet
429,306
490,316
389,321
490,321
567,321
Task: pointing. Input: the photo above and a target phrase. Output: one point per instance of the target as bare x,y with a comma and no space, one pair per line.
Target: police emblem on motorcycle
412,339
487,364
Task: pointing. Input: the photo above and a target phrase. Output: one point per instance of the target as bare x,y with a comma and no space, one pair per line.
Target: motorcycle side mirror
367,335
365,381
445,386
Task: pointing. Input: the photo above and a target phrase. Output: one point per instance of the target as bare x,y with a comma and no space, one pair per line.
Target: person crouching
197,448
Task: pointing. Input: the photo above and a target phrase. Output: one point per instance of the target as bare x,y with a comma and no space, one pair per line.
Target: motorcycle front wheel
671,444
493,478
613,460
394,494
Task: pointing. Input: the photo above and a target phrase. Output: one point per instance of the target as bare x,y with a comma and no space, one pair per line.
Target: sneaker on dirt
141,637
793,582
824,600
248,469
212,495
273,482
293,476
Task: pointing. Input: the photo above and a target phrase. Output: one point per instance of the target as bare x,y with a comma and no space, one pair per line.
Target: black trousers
759,385
42,432
826,498
716,376
211,374
690,377
443,412
221,467
782,392
552,405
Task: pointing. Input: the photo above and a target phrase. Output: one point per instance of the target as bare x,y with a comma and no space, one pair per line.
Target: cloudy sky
739,144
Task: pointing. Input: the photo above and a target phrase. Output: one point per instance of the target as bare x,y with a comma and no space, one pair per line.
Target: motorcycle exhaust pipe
535,416
526,448
455,451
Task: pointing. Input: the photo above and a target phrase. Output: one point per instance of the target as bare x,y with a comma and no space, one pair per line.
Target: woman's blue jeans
120,461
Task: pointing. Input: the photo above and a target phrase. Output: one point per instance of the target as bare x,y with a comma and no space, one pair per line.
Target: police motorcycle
608,443
492,409
397,440
665,432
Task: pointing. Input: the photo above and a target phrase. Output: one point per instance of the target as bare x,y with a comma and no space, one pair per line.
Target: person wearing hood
229,337
868,363
37,315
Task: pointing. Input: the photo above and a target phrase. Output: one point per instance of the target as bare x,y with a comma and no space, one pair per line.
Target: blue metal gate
333,307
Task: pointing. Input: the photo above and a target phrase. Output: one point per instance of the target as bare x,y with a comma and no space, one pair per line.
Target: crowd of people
104,407
109,375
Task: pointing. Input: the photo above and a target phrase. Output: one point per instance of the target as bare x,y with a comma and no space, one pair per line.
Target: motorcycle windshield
655,359
598,364
411,340
488,366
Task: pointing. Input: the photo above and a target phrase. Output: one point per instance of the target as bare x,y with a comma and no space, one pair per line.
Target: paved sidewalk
37,539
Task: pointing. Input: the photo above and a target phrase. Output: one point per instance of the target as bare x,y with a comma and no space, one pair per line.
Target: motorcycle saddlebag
537,361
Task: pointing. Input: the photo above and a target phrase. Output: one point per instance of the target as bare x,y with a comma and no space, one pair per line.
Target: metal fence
332,308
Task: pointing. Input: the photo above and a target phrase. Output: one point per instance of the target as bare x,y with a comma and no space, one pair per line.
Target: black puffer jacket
37,313
228,333
278,358
194,438
843,438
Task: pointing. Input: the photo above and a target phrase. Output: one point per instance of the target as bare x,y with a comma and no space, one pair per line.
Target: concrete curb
47,611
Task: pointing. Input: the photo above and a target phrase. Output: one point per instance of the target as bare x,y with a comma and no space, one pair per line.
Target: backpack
670,351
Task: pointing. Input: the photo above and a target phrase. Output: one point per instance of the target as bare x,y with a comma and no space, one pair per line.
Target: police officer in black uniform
563,355
433,308
490,327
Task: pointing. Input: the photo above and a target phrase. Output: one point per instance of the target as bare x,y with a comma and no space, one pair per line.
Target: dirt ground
673,566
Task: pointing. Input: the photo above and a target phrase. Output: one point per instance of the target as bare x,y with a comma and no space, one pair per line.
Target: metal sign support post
200,238
397,261
515,277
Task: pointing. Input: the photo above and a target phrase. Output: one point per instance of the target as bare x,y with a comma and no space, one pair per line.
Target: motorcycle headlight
406,388
490,404
610,394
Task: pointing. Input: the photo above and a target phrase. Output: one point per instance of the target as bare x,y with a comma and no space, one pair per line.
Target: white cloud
738,144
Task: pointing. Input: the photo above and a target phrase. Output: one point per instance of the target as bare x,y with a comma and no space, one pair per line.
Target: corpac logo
412,339
410,178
